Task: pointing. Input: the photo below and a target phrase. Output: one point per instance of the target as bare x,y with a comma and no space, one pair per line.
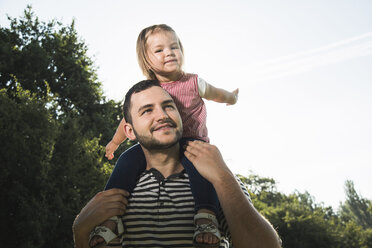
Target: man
160,210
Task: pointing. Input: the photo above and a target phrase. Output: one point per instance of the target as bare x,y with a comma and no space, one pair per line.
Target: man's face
155,119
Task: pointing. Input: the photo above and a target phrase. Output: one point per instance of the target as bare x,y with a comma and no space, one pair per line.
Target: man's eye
169,106
146,111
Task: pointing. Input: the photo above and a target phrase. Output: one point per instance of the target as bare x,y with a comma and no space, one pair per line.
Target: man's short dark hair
138,87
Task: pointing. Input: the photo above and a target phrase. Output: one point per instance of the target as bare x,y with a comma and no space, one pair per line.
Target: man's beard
150,143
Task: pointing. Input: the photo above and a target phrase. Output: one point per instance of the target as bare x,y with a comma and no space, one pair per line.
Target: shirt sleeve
202,86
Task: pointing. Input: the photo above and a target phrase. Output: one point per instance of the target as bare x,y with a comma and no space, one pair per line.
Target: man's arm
247,226
101,207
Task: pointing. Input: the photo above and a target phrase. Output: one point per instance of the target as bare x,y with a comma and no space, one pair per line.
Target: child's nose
169,51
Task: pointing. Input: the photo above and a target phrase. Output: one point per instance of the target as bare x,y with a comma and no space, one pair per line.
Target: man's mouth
167,124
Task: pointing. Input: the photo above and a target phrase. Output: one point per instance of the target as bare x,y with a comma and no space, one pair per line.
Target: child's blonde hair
142,58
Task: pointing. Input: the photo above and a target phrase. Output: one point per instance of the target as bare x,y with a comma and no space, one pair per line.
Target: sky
304,70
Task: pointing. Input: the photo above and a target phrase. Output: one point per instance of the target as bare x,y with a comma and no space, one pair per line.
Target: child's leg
128,168
206,202
204,194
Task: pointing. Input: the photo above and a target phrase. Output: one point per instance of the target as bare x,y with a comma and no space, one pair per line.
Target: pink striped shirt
190,105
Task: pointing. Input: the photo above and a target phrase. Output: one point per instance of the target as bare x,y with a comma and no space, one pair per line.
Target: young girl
160,56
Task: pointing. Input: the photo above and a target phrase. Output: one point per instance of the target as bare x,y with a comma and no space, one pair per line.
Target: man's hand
102,206
207,159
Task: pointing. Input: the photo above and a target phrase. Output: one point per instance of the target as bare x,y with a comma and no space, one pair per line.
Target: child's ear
129,132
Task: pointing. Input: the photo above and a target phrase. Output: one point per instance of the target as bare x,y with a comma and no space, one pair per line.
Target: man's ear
129,132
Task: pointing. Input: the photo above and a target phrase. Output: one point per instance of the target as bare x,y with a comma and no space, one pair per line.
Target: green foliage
356,218
356,208
49,169
51,61
35,53
54,124
301,222
76,176
27,135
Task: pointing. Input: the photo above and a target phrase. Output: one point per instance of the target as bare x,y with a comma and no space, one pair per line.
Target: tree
356,219
54,120
299,221
356,208
38,55
50,60
43,167
27,136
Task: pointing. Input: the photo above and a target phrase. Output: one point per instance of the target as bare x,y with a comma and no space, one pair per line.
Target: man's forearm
248,228
81,240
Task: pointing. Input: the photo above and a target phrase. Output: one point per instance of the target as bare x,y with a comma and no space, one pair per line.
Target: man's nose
161,114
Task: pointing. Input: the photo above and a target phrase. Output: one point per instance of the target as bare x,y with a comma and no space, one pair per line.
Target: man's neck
166,161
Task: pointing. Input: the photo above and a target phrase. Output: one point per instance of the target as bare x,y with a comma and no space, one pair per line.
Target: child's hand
236,94
110,149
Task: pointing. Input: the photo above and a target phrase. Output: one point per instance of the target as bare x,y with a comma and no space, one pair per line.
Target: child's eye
158,51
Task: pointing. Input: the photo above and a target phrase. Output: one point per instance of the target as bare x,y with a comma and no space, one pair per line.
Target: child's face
164,53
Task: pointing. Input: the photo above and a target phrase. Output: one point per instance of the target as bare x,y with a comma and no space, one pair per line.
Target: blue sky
303,69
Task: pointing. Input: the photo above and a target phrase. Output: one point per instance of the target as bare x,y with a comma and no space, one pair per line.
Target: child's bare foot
96,240
207,229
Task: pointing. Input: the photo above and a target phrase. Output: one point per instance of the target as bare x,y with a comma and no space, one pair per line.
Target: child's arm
220,95
118,138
